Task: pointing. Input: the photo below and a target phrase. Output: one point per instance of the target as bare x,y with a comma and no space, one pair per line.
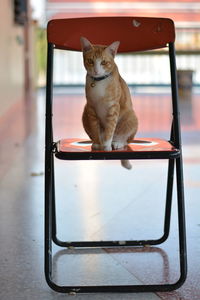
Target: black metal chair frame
174,166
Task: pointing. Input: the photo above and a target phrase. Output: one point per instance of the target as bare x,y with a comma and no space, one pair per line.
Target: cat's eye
90,61
103,62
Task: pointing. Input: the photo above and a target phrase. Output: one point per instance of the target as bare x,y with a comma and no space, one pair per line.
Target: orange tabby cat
108,116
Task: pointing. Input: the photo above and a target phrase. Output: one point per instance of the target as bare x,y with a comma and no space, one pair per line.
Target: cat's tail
126,164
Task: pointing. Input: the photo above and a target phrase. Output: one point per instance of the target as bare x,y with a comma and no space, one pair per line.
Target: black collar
100,78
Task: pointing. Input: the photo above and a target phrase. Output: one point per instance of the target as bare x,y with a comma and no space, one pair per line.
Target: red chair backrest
134,33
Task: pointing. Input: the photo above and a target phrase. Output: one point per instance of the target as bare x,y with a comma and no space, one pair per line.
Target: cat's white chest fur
97,98
98,90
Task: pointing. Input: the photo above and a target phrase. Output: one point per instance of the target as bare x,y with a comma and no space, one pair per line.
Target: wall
11,58
17,101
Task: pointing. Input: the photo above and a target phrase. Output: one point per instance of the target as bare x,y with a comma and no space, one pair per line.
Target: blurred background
22,115
23,43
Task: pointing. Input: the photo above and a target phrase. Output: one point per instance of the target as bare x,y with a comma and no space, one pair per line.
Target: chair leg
53,214
181,222
50,226
54,223
48,220
167,218
48,269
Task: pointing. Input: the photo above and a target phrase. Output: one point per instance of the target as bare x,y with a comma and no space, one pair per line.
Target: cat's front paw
96,146
107,146
117,145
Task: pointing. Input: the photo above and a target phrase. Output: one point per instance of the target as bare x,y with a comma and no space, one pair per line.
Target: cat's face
98,60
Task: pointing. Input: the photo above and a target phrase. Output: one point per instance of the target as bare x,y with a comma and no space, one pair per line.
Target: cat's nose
96,70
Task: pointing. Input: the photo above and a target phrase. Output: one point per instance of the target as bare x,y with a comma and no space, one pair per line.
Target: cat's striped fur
108,116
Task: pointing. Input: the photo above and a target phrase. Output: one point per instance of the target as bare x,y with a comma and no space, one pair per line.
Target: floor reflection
76,262
95,201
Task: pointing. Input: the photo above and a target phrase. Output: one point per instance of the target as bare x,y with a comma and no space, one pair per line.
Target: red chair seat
70,149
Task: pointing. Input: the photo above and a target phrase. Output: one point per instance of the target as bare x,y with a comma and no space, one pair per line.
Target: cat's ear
113,48
85,44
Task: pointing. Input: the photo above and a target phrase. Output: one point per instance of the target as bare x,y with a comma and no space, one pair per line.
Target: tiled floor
96,200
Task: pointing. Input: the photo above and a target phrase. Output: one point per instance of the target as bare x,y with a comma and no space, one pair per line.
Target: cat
108,117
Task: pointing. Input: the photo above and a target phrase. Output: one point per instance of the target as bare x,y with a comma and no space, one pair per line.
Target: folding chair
135,34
